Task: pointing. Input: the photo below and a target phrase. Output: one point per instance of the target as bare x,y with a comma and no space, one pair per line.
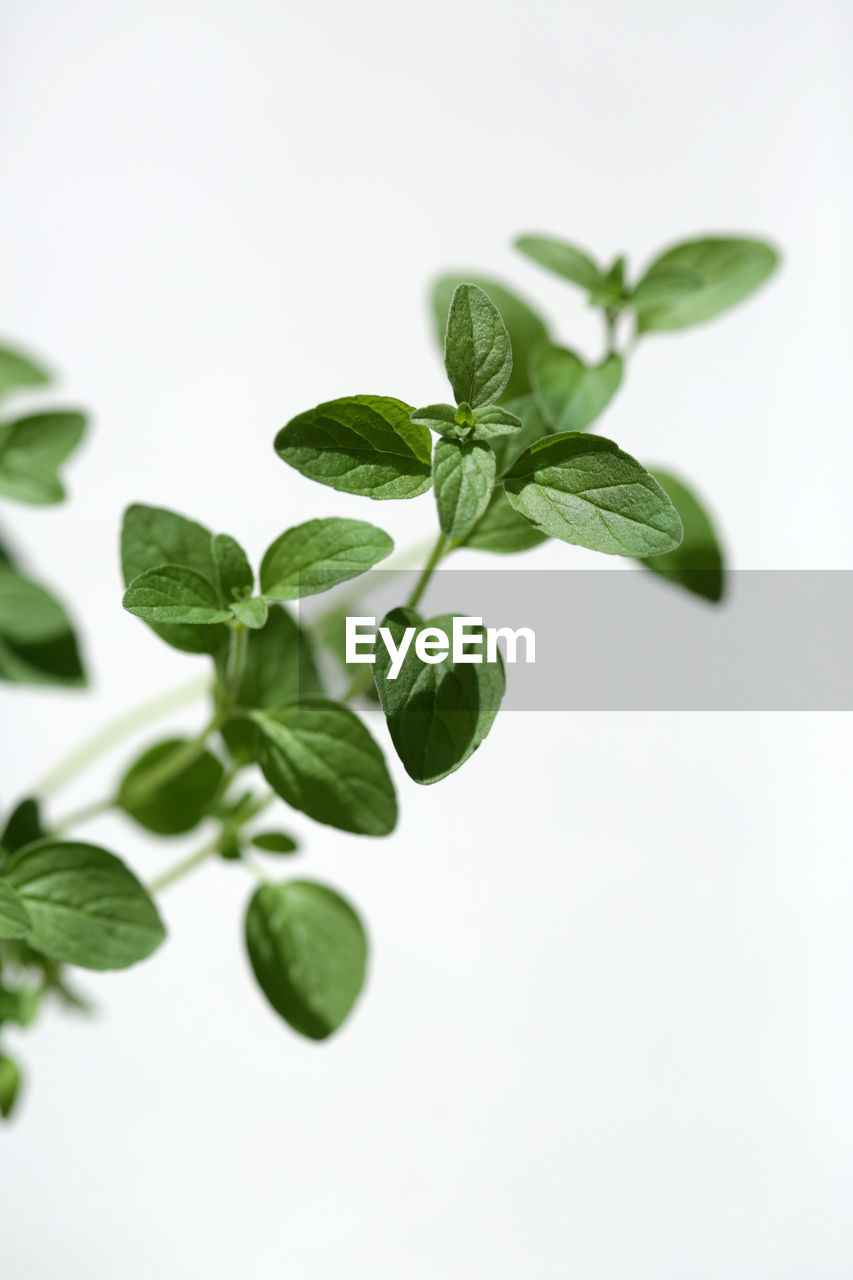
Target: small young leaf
86,906
31,451
502,529
494,420
174,593
274,842
564,259
18,371
360,444
697,563
234,575
570,394
23,826
15,920
477,349
279,666
177,804
153,536
319,554
320,758
463,476
10,1084
583,489
437,417
252,613
697,280
437,713
308,950
526,329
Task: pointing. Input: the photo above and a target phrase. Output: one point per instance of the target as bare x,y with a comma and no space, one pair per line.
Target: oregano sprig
511,462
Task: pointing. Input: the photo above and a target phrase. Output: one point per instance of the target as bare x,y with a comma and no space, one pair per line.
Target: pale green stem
183,868
116,731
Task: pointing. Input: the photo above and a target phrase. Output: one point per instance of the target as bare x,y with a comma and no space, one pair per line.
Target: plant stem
83,814
184,867
116,731
428,570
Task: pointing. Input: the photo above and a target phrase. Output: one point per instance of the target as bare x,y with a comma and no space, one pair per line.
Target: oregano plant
511,462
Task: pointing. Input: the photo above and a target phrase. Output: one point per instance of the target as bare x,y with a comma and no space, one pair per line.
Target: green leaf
279,666
319,554
697,563
437,417
502,529
360,444
697,280
320,758
526,329
87,907
175,804
494,420
31,451
463,476
173,593
10,1084
18,371
252,613
28,613
48,662
37,643
437,713
274,842
570,394
477,349
308,951
533,427
234,575
23,826
564,259
583,489
15,920
20,1005
152,537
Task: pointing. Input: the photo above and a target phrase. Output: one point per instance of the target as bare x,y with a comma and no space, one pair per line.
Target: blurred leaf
274,842
10,1084
569,393
308,951
563,259
18,372
178,804
697,280
697,563
31,451
23,826
15,920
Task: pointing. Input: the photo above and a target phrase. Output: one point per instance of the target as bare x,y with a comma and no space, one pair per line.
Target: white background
608,1027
